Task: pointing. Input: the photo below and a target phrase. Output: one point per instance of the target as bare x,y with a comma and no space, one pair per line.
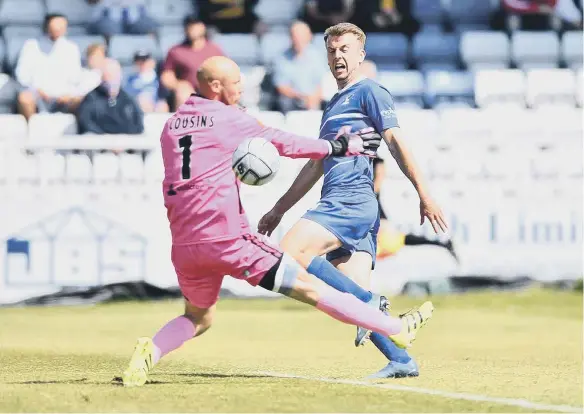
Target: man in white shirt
48,69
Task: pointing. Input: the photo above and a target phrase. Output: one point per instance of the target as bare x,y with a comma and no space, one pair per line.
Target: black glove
371,140
340,146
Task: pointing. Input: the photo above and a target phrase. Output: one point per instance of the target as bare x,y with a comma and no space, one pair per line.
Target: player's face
345,53
231,88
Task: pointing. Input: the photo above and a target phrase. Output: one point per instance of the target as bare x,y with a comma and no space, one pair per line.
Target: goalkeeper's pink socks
171,336
347,308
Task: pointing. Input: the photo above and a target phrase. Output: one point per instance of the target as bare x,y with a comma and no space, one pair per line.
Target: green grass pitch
525,345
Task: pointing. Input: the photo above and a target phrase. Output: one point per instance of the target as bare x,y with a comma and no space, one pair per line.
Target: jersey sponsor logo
347,99
388,113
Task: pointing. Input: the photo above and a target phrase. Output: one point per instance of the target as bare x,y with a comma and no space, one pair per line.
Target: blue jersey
363,104
348,207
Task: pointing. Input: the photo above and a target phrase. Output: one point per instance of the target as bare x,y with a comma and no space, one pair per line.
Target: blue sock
325,271
389,349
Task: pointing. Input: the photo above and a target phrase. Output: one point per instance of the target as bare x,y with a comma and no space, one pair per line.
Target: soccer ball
255,161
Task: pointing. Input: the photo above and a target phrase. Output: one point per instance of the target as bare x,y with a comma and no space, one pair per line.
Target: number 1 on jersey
185,143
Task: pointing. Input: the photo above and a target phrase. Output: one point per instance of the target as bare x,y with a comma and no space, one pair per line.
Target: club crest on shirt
347,99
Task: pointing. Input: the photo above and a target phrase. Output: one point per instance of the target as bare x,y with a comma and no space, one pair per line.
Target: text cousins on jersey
191,121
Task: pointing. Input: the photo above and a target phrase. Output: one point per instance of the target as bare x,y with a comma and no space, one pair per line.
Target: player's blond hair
344,28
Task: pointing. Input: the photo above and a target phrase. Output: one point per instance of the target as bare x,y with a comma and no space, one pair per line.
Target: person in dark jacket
108,109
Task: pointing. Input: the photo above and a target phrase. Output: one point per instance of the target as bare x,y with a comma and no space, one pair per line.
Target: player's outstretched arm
406,163
306,179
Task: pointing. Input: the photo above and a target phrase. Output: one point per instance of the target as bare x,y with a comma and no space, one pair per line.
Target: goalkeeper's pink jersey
201,192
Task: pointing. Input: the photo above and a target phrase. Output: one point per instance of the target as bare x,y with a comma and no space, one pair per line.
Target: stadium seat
84,41
580,88
482,50
305,123
273,119
433,51
22,12
252,78
468,11
131,168
13,47
420,126
551,87
168,40
572,46
514,125
242,48
77,11
153,167
76,30
449,87
14,127
51,168
464,124
123,47
566,125
493,87
106,168
25,168
154,123
42,126
531,50
278,13
428,12
405,86
273,45
21,31
78,169
171,12
173,30
388,50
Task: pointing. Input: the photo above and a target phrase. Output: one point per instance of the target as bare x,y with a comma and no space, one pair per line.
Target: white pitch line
445,394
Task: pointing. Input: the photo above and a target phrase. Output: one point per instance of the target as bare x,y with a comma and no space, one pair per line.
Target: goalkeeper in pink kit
211,236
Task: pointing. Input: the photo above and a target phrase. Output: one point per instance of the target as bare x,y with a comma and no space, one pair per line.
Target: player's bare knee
202,318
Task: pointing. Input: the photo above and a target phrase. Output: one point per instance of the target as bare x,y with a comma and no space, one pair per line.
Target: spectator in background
111,17
298,73
385,16
535,14
109,109
91,74
48,69
321,14
231,16
179,73
143,84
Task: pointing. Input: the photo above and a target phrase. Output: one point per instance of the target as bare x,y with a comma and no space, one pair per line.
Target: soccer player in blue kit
344,223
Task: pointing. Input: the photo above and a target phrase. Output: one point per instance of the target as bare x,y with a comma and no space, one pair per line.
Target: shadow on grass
213,375
70,381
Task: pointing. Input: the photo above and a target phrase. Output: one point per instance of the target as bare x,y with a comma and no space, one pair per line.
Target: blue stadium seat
278,12
405,86
22,12
123,47
388,50
272,45
449,87
480,50
171,11
13,46
428,12
469,11
77,11
242,48
434,51
168,40
84,41
21,31
572,46
533,50
76,30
